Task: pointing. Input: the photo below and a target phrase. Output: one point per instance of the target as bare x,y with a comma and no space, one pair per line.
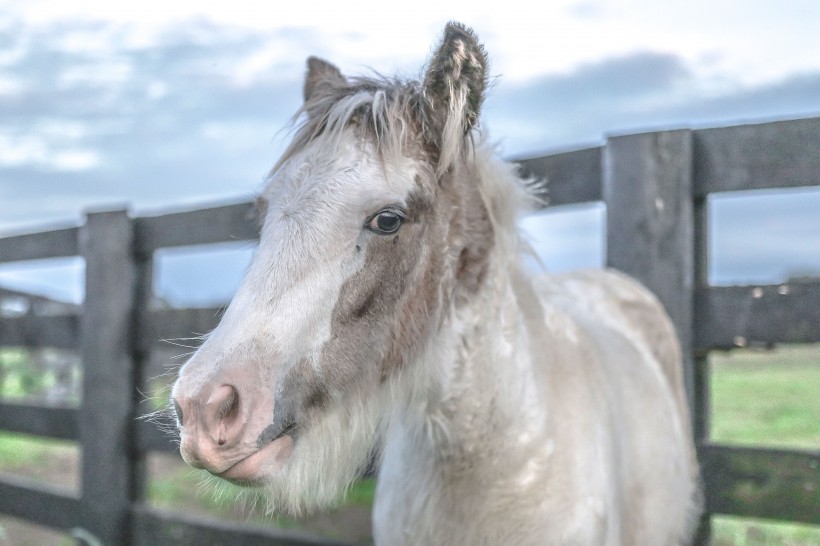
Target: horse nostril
229,403
178,411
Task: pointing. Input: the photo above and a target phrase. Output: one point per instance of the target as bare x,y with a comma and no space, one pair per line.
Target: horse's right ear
321,75
453,89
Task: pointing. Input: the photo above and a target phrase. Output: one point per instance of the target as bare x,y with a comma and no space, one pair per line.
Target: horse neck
477,380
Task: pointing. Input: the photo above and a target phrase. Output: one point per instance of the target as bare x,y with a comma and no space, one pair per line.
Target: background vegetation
761,398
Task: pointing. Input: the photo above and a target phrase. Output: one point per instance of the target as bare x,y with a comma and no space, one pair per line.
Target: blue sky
177,104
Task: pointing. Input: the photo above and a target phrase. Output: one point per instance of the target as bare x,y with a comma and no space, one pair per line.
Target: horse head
373,229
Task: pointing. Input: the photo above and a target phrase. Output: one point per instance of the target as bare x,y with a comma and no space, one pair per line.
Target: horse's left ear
321,75
454,86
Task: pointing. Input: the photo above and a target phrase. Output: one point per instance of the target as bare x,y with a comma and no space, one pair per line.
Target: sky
163,106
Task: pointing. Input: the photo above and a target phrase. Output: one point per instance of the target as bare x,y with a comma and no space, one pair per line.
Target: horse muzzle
224,425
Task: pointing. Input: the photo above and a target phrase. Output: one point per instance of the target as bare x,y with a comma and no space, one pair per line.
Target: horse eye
385,222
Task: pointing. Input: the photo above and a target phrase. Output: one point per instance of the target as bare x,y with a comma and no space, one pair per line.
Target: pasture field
764,398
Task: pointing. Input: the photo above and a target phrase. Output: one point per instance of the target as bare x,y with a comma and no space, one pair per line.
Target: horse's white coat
582,436
541,410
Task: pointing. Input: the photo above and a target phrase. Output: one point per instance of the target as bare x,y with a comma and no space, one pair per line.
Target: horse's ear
454,85
321,75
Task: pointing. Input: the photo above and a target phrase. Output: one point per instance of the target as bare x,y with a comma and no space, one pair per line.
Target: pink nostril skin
222,410
210,423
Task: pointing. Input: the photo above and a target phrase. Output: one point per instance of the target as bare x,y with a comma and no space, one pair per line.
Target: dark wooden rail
655,187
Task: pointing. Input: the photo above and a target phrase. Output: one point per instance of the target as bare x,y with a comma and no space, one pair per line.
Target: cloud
763,237
96,113
163,121
643,91
619,79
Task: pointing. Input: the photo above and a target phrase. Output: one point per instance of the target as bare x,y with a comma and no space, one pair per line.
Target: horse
388,309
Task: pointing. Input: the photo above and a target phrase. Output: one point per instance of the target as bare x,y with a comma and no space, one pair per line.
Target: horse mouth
252,470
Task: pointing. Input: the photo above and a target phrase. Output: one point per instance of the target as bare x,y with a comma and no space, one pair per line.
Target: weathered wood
762,483
737,316
30,330
701,424
57,243
196,227
53,422
650,223
106,415
701,391
153,527
153,437
571,177
182,324
45,505
702,408
746,157
141,350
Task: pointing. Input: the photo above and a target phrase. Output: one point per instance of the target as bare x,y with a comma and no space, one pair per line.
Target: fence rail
655,187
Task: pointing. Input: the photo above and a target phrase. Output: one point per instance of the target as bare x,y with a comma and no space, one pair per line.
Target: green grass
731,531
760,398
771,399
767,398
21,451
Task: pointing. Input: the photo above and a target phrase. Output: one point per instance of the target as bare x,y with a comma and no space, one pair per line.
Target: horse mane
389,112
381,108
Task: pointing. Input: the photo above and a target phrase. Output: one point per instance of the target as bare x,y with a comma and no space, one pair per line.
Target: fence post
650,234
701,416
141,352
106,414
647,187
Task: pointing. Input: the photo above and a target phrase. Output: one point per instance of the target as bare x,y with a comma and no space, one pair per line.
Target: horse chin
258,467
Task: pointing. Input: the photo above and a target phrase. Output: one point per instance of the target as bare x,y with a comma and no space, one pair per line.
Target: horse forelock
389,113
384,111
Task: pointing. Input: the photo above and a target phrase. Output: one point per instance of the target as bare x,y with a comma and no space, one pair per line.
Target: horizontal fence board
152,527
58,243
59,331
762,483
733,316
39,420
236,222
571,177
182,324
45,505
746,157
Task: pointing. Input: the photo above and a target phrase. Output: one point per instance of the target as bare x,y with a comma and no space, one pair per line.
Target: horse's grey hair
389,112
381,108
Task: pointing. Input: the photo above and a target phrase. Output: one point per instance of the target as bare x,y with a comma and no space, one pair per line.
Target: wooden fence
655,187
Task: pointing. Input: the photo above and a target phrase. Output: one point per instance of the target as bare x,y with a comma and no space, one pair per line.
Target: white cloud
75,160
34,151
751,40
11,86
180,102
100,73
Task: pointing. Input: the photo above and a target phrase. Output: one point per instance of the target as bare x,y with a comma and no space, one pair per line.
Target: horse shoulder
622,382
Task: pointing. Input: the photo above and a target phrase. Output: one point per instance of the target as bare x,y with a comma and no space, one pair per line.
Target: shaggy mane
385,111
389,112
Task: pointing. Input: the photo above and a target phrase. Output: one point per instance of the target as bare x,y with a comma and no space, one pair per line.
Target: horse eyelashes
385,222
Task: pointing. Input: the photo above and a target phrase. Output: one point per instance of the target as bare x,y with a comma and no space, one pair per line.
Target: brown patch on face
471,231
388,309
387,312
298,395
